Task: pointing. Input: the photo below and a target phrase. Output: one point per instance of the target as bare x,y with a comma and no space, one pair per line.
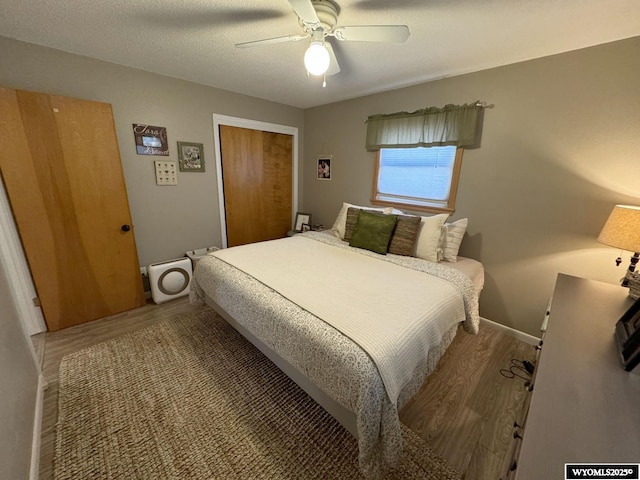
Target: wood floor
465,410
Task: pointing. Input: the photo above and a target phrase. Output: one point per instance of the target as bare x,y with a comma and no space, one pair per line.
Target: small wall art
150,140
191,157
324,167
166,173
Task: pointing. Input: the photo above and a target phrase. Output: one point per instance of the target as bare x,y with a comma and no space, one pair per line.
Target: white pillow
429,237
451,239
341,221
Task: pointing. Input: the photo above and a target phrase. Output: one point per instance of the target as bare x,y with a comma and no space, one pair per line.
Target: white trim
34,472
525,337
13,260
252,125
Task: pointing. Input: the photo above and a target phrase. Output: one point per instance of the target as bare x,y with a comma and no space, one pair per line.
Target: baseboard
524,337
34,473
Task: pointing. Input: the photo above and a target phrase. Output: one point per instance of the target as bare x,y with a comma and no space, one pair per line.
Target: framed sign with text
150,140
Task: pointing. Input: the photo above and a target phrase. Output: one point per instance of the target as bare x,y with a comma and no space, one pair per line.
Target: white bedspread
394,313
331,361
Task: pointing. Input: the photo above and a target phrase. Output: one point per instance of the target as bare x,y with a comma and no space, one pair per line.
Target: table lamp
622,230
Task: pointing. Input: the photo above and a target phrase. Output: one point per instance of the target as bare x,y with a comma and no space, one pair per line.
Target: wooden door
61,167
257,179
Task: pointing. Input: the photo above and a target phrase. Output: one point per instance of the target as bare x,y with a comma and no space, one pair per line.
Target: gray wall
559,149
18,391
168,220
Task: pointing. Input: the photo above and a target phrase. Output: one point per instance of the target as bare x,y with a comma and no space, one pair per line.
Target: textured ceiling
194,39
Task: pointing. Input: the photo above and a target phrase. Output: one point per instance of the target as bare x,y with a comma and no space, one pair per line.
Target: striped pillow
451,239
352,218
405,235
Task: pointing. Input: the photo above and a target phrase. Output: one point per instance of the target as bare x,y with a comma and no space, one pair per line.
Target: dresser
583,407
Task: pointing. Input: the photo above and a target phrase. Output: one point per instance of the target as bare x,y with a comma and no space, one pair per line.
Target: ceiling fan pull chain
324,80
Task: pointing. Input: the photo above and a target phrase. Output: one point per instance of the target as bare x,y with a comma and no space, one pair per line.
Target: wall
559,149
18,391
168,220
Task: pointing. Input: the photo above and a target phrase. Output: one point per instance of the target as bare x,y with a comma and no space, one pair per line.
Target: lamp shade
316,58
622,229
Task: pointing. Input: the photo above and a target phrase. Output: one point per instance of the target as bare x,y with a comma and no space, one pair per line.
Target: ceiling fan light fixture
316,58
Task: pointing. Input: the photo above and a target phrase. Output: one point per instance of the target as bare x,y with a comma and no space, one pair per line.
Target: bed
275,293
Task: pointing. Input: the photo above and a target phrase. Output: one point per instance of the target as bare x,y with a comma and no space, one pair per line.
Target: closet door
61,167
258,182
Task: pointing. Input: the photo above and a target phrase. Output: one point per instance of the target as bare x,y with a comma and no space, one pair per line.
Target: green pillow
373,231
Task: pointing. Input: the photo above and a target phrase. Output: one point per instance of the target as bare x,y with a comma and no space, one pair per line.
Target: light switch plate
166,173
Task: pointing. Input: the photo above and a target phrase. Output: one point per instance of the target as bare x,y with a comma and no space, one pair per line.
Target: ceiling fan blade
333,61
304,9
269,41
372,33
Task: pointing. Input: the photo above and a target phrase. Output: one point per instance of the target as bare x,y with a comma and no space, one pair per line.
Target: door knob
125,228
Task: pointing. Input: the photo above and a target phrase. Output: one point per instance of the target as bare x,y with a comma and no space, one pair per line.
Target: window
422,178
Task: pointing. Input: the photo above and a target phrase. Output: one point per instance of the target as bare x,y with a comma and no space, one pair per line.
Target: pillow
403,240
451,239
373,231
352,218
339,225
429,237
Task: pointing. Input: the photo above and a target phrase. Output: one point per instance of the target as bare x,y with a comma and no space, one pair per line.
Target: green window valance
429,127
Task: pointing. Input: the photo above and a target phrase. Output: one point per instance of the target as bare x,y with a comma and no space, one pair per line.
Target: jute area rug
190,398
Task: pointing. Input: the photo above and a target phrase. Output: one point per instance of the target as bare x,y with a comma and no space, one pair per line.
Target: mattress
470,267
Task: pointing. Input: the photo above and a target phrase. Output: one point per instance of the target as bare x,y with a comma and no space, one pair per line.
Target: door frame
14,262
251,125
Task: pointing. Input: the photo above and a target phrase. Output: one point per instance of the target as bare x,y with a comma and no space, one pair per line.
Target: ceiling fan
319,19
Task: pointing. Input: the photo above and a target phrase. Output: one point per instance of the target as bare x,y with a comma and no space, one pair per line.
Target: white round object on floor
170,279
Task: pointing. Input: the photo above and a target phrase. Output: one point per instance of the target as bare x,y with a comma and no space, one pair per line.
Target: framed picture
627,335
150,140
305,227
324,167
191,157
302,218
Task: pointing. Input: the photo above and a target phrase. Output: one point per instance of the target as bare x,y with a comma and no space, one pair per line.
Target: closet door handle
125,228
